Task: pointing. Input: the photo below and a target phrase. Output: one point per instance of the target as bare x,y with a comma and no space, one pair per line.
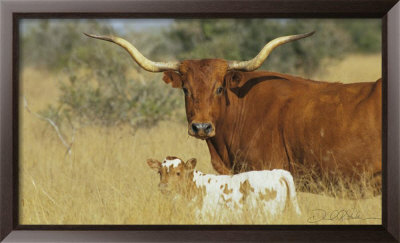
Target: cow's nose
163,188
202,128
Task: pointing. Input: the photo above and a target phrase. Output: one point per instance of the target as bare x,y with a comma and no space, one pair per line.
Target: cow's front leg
216,161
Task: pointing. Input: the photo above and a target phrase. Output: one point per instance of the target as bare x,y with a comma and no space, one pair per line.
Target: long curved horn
145,63
257,61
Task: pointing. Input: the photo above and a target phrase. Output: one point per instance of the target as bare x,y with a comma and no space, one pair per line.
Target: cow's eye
185,91
178,174
219,90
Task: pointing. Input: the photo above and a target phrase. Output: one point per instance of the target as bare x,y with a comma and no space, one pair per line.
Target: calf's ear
174,78
191,163
233,79
154,164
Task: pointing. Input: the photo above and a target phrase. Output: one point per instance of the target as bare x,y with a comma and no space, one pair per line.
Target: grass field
106,180
352,69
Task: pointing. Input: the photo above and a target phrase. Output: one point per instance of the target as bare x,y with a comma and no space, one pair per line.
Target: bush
103,85
50,43
242,40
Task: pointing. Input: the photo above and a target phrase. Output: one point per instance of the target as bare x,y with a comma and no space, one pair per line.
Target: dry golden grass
352,69
106,179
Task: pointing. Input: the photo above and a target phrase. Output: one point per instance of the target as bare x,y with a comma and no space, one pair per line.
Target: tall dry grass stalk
106,179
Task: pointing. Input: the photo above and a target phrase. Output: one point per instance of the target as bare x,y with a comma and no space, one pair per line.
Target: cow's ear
154,164
174,78
233,79
191,163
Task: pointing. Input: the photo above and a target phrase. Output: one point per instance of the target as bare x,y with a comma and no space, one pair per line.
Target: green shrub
100,88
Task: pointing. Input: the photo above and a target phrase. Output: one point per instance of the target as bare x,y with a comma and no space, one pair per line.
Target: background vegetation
113,115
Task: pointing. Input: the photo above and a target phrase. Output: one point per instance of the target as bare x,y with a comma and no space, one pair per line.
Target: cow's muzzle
201,130
164,188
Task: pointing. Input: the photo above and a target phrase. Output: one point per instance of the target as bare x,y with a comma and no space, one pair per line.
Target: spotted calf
273,190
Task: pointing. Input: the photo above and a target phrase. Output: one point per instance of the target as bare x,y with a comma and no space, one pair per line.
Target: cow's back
336,127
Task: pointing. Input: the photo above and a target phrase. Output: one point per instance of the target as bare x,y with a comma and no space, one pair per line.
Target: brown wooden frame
12,11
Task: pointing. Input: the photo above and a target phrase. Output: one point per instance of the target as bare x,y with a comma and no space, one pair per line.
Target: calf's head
203,82
175,174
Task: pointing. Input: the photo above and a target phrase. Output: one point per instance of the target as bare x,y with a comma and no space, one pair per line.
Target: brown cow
255,120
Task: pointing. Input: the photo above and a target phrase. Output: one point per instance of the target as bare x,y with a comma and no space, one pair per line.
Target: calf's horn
257,61
145,63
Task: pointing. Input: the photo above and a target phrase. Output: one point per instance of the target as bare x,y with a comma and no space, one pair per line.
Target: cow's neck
197,185
201,179
240,129
208,182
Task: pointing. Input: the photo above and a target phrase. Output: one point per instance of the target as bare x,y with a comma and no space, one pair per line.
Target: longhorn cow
257,120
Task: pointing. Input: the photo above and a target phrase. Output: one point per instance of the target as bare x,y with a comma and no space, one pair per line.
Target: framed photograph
237,121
